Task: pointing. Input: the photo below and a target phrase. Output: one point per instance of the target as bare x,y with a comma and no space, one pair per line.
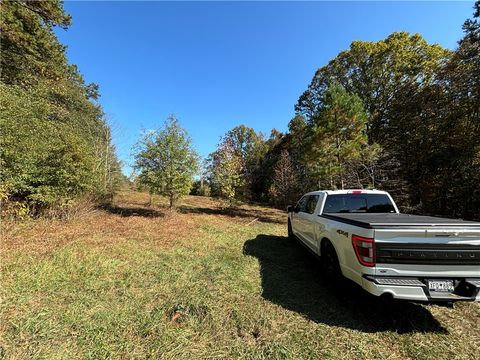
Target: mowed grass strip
134,281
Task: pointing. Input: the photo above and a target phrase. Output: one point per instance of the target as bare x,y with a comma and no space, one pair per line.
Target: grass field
134,281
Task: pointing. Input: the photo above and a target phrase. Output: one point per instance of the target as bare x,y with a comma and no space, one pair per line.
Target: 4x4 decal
341,232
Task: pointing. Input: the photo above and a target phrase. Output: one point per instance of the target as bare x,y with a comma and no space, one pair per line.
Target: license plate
441,285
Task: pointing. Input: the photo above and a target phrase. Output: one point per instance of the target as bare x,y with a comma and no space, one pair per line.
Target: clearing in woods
134,281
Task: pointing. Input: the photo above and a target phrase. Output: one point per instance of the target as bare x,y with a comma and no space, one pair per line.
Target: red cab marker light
356,192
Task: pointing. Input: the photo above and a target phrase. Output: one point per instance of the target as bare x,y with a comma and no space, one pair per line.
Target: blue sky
216,65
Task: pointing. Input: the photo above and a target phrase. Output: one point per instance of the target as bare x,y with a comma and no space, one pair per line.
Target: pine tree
337,138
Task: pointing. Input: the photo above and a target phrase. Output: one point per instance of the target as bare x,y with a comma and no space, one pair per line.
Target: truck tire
329,262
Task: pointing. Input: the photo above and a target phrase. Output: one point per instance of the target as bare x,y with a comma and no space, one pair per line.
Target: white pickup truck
360,234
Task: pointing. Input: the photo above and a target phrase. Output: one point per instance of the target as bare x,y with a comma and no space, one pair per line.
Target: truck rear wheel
329,263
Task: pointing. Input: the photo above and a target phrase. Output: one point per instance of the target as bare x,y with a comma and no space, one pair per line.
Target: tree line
398,114
56,145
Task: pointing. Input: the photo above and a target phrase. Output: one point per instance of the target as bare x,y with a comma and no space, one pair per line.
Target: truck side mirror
290,208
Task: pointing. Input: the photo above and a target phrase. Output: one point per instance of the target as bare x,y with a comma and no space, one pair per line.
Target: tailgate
432,246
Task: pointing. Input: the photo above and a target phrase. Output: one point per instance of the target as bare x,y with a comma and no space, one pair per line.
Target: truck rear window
358,203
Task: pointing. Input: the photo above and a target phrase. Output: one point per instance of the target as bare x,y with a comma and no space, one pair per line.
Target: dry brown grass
130,217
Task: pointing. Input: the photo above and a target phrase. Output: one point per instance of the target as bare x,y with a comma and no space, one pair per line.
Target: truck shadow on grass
291,278
234,212
132,211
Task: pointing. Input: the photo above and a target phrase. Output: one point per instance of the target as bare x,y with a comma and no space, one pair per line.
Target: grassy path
138,282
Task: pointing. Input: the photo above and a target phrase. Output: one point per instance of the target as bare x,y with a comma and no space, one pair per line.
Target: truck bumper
415,289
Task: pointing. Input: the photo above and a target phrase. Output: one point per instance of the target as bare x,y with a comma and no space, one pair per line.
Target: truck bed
384,220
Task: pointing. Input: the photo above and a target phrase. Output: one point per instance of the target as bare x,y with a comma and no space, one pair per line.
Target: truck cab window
301,205
361,203
312,203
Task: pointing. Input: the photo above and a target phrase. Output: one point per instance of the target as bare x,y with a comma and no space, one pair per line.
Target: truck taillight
364,249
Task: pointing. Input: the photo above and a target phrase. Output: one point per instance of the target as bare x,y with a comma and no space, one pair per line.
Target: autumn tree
285,181
275,145
250,148
225,168
383,75
166,161
375,71
241,150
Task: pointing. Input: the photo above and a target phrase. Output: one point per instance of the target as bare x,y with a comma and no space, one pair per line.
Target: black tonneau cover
380,220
